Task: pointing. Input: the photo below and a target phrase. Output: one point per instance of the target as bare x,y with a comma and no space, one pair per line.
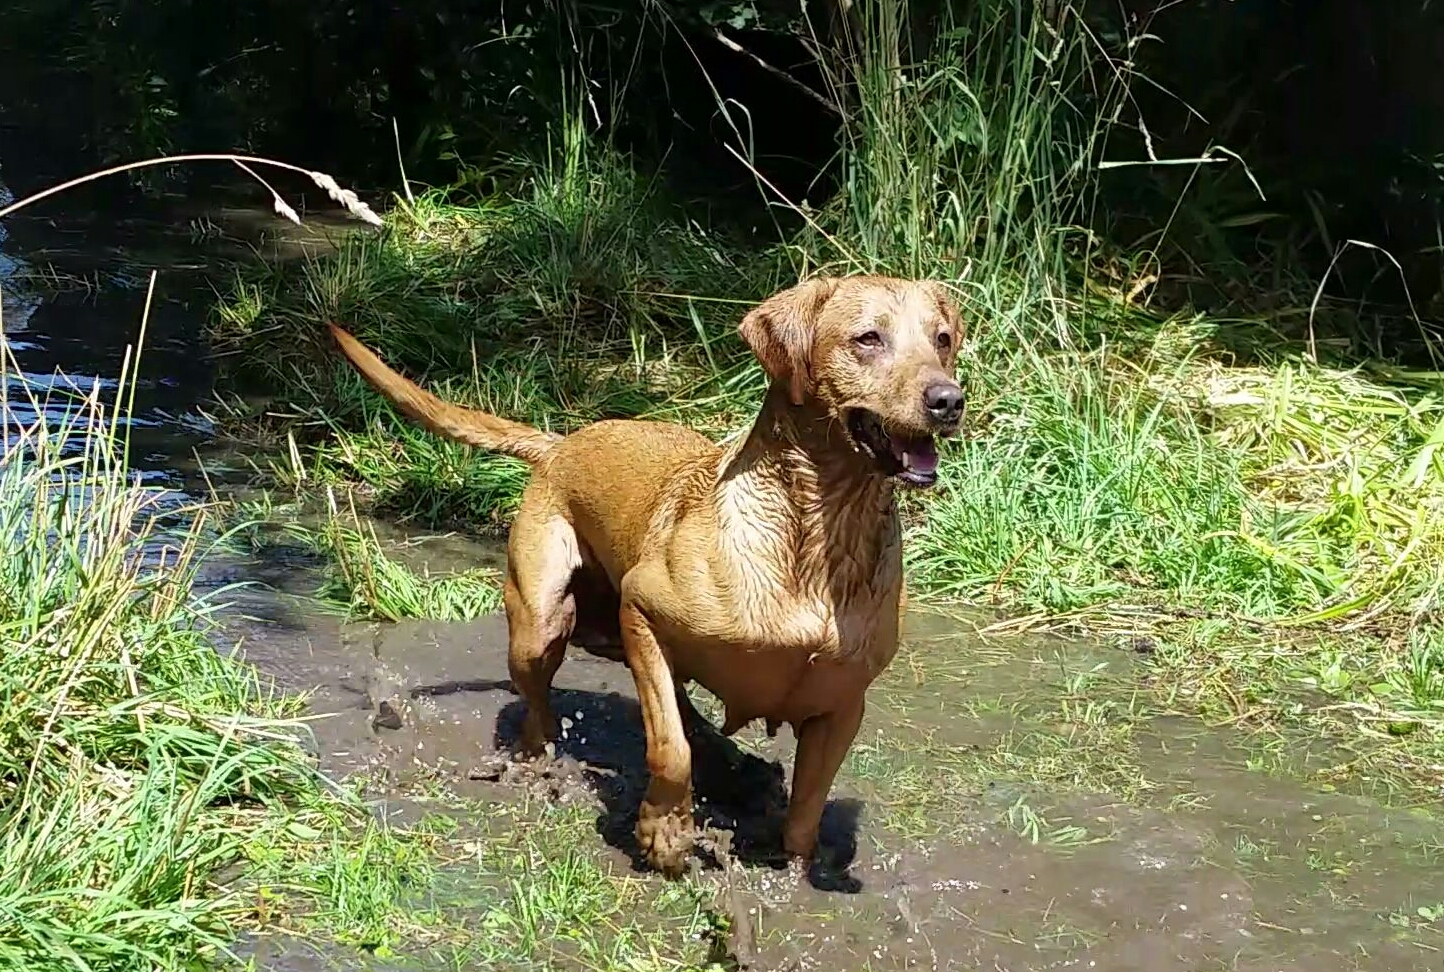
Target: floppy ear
780,331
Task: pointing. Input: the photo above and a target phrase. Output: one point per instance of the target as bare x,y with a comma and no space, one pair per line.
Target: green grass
133,756
554,903
1284,493
490,886
153,798
1194,483
346,886
359,575
572,301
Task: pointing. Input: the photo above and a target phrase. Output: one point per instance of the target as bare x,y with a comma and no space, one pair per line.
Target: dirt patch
1012,864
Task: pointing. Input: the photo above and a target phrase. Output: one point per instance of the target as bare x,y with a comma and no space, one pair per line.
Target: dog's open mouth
912,459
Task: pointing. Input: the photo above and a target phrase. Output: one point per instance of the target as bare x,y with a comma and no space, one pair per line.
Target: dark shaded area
1331,103
1335,109
734,791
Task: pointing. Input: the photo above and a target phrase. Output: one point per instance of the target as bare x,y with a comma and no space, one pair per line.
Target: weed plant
135,760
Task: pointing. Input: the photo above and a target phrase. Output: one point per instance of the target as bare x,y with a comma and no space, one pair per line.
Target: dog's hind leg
542,556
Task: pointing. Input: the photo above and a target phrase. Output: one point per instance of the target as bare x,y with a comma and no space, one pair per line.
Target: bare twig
777,72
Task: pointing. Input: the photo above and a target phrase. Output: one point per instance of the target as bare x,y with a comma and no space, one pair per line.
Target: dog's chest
863,630
844,653
794,659
816,574
833,616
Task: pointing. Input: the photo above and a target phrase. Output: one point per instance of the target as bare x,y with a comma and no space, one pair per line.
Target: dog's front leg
664,822
822,745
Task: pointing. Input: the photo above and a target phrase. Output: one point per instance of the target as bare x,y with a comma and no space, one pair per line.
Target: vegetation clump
136,762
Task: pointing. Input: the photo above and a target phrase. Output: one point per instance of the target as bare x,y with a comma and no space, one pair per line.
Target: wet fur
769,571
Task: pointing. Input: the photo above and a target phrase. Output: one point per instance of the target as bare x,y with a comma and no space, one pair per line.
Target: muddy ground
1011,805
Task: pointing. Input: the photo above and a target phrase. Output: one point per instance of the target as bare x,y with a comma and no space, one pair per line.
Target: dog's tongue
916,455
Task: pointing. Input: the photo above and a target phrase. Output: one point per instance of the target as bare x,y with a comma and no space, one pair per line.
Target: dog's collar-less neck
793,492
812,456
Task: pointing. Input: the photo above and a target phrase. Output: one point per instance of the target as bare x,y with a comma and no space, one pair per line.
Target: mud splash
1007,808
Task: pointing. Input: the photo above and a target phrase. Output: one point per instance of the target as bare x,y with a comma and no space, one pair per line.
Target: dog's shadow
734,791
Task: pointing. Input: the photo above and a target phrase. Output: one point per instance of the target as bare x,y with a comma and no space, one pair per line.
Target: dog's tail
466,425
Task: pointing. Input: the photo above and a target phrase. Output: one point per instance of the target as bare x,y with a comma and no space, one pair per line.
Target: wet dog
770,571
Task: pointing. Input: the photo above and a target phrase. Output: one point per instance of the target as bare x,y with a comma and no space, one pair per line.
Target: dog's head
878,353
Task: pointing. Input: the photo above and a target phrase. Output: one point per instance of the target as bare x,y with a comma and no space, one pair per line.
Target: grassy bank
124,734
143,773
155,804
1264,525
135,757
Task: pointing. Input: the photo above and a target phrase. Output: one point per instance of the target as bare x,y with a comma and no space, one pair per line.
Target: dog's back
625,481
607,478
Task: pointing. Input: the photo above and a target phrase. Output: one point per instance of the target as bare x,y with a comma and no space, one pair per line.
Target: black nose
944,401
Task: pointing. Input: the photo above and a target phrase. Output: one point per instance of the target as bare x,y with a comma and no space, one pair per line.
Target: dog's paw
800,843
665,837
538,736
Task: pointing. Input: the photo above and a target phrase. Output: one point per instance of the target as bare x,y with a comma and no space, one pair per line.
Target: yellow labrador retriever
769,571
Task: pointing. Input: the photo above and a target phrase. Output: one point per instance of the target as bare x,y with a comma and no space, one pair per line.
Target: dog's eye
869,339
945,340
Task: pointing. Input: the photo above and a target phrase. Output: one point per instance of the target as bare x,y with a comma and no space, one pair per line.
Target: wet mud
1217,865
